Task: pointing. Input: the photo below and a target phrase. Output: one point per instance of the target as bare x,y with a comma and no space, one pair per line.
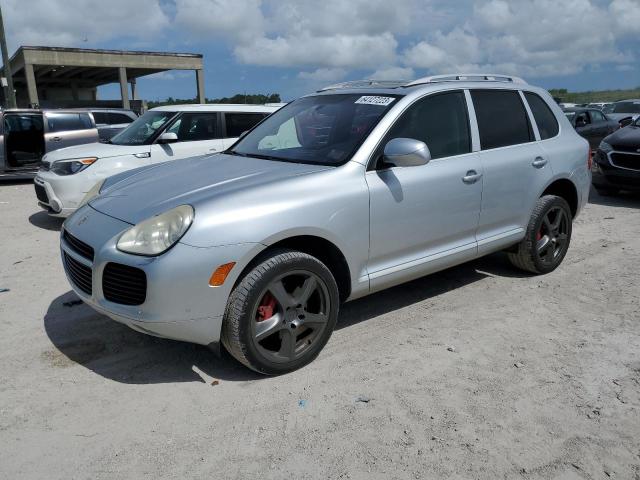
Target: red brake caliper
539,234
266,308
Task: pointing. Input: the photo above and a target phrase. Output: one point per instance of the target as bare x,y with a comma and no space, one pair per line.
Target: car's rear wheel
281,313
547,237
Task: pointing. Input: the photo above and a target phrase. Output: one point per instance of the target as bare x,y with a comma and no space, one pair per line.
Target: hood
99,150
625,138
158,188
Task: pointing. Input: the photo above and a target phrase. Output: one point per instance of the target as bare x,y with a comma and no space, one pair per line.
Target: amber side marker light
220,275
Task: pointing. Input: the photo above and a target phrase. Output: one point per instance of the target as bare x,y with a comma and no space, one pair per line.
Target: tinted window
116,118
544,117
502,118
192,127
626,107
321,129
238,123
101,118
61,122
596,116
440,121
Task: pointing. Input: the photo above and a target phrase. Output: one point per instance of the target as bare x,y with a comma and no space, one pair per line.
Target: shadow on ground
45,221
622,199
81,335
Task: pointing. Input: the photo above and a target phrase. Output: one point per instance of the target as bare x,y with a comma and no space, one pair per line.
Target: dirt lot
476,372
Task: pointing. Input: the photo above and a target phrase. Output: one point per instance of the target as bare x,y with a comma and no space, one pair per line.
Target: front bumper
60,195
607,174
179,302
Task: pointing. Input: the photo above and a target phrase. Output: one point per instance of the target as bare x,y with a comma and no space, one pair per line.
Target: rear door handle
539,162
471,177
56,139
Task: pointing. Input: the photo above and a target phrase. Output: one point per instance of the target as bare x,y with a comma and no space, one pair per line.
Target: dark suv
617,161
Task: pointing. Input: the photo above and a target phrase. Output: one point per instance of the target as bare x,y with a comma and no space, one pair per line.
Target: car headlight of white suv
157,234
72,166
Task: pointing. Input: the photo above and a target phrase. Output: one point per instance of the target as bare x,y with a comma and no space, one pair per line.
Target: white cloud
340,50
324,75
393,73
80,22
626,16
229,19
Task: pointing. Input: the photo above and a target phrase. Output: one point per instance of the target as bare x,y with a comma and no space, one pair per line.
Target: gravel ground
476,372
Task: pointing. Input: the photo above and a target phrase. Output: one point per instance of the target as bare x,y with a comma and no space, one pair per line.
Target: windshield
627,107
323,129
143,129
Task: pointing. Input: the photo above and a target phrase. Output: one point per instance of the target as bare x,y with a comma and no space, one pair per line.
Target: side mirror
168,137
406,152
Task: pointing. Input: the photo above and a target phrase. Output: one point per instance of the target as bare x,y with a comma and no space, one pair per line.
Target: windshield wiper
255,155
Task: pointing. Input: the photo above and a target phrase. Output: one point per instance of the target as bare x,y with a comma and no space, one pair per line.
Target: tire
607,192
281,314
542,250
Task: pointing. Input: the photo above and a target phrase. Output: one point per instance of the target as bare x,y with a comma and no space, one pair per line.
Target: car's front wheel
547,237
281,313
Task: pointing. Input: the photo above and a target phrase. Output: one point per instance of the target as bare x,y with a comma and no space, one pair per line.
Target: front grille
79,273
625,160
78,246
124,284
41,193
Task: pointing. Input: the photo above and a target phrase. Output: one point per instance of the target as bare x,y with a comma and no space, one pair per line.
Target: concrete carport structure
50,73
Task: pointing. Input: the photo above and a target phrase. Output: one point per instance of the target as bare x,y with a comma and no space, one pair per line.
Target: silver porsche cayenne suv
340,194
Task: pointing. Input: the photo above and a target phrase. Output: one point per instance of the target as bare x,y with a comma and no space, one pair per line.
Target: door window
502,118
62,122
238,123
596,116
191,127
542,114
441,121
101,118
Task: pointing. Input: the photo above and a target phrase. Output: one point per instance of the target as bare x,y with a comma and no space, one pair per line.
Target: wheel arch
564,188
319,247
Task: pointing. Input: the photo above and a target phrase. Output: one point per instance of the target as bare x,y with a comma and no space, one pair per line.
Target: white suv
163,133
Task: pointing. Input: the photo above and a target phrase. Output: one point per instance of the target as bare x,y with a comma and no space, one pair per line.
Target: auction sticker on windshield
374,100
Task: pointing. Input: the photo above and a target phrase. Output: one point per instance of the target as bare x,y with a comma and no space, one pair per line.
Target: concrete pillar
133,89
74,91
124,87
200,85
32,88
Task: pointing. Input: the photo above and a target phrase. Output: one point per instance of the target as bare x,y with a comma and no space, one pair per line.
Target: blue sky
295,46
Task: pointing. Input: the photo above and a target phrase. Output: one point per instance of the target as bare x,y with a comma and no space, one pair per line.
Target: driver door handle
471,177
56,139
539,162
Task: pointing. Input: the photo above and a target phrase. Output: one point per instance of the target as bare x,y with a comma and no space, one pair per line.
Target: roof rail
467,77
366,84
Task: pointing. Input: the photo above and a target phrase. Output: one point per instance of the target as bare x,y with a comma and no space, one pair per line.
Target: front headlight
72,166
605,147
157,234
91,194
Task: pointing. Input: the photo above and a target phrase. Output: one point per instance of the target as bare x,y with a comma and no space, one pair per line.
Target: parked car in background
110,121
27,135
616,165
161,134
598,105
339,194
625,111
592,124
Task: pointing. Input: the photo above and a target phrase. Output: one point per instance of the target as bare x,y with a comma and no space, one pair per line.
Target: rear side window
544,117
117,118
238,123
441,121
101,118
62,122
502,118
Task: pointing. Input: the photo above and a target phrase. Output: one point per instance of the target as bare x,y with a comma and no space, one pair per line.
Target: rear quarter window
542,114
502,118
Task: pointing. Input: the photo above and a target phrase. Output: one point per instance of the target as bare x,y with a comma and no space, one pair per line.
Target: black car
616,164
591,123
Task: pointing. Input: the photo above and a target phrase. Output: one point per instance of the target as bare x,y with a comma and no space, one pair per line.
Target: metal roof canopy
62,67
